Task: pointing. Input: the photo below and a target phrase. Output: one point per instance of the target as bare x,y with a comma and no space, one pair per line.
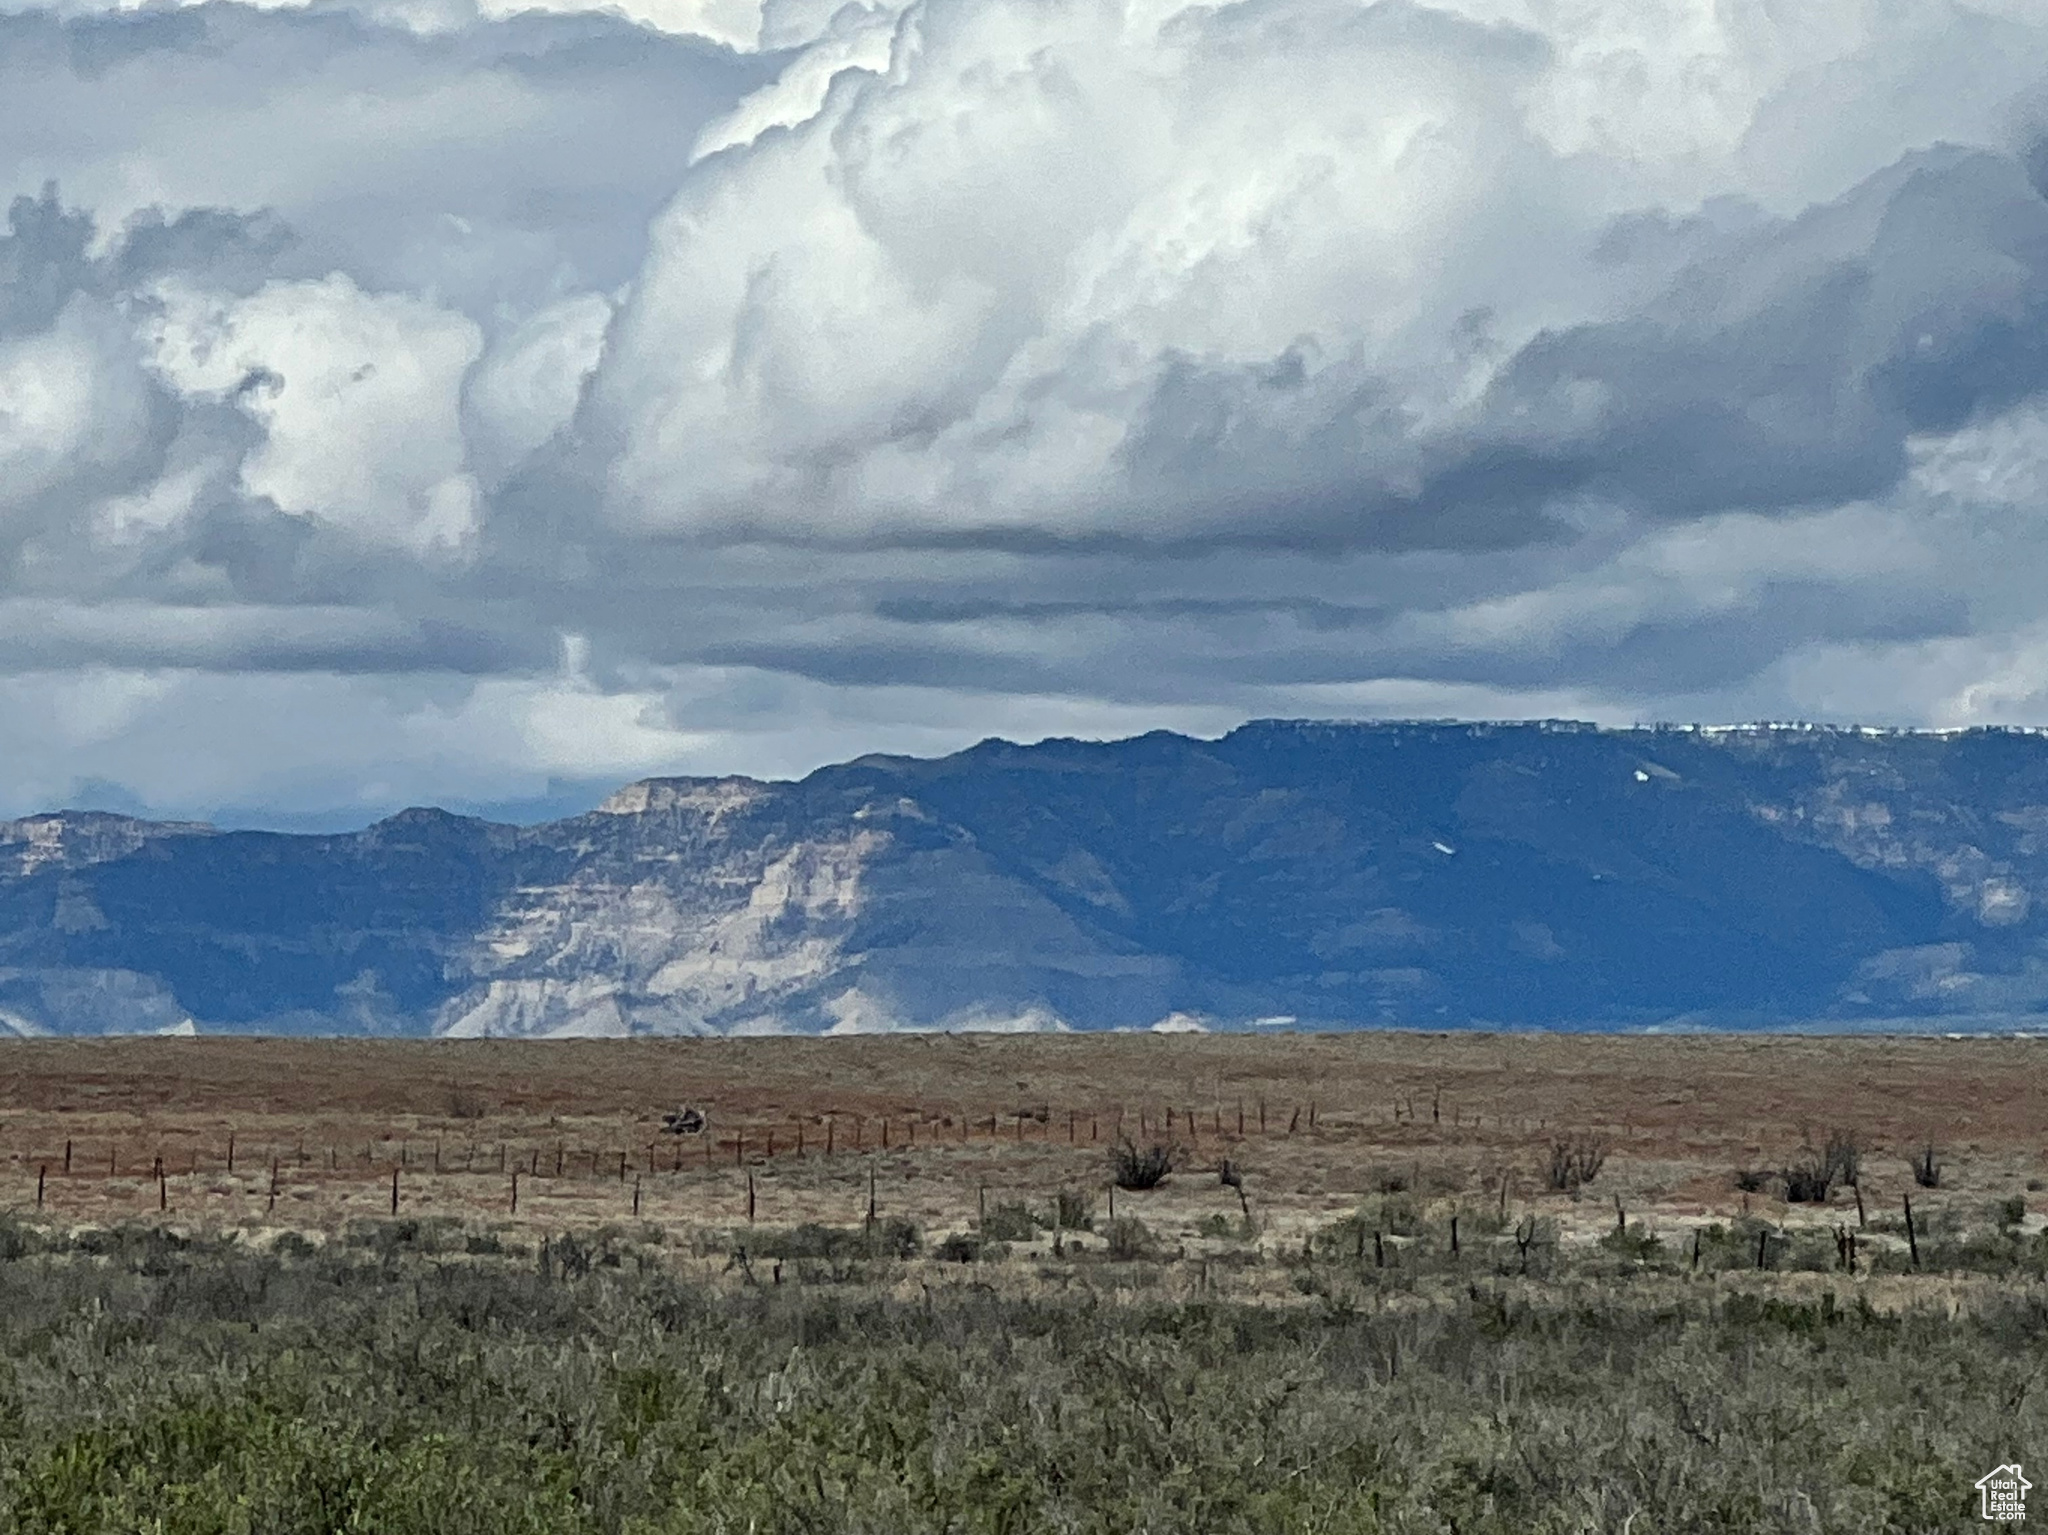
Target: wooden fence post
1912,1236
394,1191
41,1174
636,1196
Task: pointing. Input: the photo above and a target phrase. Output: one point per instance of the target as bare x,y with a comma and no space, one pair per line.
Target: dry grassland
945,1126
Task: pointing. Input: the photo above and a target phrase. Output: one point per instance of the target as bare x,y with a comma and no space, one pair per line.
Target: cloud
528,388
1294,270
444,403
357,396
485,163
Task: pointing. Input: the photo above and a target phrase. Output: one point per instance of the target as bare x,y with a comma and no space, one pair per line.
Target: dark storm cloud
1791,370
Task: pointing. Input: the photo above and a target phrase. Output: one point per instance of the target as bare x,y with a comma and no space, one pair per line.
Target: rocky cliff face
1327,874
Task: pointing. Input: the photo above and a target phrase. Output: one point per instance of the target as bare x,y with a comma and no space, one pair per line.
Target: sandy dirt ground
939,1128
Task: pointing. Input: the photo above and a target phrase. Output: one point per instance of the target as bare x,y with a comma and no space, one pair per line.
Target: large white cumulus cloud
412,399
956,295
1170,271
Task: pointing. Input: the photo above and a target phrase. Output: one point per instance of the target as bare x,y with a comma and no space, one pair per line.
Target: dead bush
1576,1162
1808,1181
1811,1178
1231,1176
1135,1167
1927,1168
1844,1153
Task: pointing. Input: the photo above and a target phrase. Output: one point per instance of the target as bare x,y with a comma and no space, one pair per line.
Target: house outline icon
2002,1493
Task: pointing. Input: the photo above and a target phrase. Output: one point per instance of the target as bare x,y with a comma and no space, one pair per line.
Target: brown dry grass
1452,1117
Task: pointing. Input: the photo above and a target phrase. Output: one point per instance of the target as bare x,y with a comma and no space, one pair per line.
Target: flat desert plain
310,1135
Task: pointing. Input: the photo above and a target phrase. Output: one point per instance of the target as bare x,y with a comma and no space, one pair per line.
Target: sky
429,401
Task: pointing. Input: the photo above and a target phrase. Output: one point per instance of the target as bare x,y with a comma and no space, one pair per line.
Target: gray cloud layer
419,402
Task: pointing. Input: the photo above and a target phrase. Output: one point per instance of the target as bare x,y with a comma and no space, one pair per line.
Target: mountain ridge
1334,873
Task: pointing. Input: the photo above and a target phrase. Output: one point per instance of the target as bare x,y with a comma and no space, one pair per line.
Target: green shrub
1010,1222
197,1387
1128,1239
1075,1209
965,1247
1637,1243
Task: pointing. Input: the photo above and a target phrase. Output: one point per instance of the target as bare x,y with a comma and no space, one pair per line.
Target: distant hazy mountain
1325,874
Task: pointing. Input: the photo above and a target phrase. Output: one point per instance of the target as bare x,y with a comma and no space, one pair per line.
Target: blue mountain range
1293,872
